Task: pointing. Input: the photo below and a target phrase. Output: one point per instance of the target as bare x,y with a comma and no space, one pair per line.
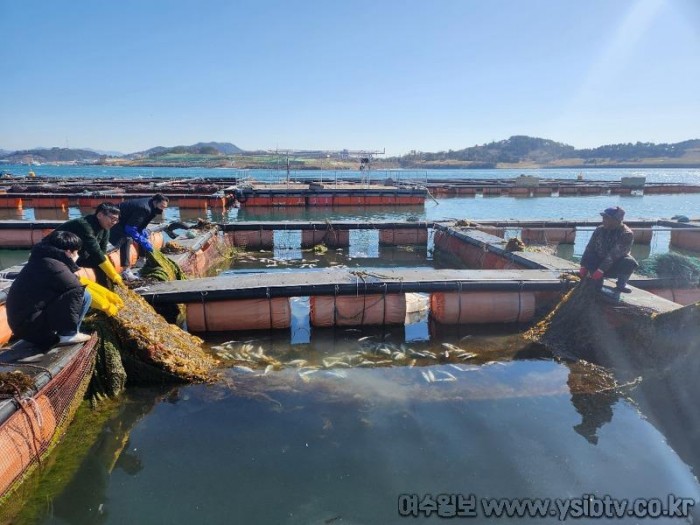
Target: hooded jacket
47,275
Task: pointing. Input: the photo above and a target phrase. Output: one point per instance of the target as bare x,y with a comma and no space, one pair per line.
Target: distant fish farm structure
392,190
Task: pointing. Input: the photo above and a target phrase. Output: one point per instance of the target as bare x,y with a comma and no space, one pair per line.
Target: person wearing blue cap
608,252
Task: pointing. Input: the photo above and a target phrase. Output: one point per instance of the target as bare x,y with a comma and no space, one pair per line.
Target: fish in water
428,375
297,362
444,376
452,348
465,368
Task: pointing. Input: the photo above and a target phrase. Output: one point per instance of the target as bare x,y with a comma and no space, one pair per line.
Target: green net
675,266
158,267
109,376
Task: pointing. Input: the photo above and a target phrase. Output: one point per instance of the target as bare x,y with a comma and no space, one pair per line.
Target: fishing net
588,324
139,344
151,349
161,268
14,383
158,267
109,377
680,268
515,245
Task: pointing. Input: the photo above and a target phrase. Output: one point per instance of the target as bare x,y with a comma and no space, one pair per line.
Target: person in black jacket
134,217
46,302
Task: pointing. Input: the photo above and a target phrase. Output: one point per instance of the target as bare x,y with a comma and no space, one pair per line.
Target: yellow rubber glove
109,270
95,288
100,302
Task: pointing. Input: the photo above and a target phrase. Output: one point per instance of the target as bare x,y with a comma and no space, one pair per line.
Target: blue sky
397,74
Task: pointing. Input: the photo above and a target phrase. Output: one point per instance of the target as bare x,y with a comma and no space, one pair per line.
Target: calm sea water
342,445
688,175
339,446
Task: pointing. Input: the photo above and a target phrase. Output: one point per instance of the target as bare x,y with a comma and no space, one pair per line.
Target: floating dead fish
365,338
337,373
467,355
297,362
427,377
398,356
466,337
365,364
245,369
465,368
452,347
384,350
268,369
441,375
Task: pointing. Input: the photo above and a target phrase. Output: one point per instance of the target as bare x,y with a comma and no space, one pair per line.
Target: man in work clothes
93,230
134,217
608,252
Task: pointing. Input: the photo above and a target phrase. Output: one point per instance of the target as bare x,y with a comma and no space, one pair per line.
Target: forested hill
51,155
201,148
523,150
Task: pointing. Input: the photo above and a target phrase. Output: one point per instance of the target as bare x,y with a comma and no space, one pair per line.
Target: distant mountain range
522,150
516,151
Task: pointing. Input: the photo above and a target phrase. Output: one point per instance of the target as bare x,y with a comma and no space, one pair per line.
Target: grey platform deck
350,282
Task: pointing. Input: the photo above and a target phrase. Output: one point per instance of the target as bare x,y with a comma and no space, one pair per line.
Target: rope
269,306
520,300
459,302
335,305
202,295
21,404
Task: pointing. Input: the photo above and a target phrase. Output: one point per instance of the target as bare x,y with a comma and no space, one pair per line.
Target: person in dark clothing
93,231
134,217
607,254
46,302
